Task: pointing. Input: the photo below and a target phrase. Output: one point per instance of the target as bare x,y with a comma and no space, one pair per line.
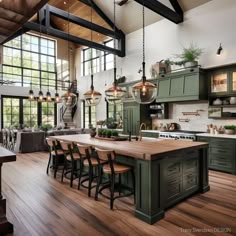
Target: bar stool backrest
65,145
50,142
105,155
84,150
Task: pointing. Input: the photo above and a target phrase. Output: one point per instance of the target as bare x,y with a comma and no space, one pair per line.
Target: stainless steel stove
179,135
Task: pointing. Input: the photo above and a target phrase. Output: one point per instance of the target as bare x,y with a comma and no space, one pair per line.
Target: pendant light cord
68,44
91,35
114,28
144,77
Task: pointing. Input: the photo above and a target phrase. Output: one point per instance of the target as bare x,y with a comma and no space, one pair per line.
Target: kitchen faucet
140,131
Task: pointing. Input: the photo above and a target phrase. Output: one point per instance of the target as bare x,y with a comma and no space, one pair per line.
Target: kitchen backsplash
196,123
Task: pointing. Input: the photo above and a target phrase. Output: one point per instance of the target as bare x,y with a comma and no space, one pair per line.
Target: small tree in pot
230,129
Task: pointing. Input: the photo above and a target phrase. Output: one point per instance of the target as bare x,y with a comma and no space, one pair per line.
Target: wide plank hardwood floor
38,204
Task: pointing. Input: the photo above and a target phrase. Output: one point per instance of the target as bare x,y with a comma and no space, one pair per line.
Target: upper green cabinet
186,85
222,81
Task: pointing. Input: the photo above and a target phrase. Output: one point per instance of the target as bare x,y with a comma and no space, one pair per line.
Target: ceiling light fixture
115,94
31,92
219,50
92,97
144,92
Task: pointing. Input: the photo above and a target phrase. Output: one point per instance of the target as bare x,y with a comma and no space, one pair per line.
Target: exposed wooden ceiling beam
63,35
162,10
79,21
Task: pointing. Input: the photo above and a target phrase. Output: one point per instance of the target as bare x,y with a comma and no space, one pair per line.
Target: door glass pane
219,83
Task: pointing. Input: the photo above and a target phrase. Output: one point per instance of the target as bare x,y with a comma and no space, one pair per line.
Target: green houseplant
230,129
189,56
110,123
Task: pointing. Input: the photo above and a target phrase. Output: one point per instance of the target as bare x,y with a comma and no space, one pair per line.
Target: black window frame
21,110
22,68
89,114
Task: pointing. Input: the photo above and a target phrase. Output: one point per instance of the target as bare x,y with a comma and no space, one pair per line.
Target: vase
190,64
93,132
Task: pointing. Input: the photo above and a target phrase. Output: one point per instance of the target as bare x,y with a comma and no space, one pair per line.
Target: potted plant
229,129
114,133
189,56
108,133
100,132
110,123
46,127
104,133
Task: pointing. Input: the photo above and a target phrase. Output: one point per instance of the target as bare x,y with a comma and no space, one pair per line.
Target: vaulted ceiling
14,13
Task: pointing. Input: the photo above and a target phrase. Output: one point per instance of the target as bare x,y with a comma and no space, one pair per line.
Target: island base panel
5,226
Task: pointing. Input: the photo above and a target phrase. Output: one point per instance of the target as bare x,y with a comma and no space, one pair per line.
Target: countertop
217,135
147,149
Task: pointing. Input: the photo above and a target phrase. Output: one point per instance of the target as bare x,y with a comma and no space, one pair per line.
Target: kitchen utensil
232,100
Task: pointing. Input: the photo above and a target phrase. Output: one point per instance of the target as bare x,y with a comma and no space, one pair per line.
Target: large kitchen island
166,171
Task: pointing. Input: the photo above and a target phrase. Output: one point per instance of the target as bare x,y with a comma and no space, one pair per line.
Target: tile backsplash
196,123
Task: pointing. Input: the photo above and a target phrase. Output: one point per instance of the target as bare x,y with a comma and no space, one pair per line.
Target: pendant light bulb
31,95
57,98
40,99
48,97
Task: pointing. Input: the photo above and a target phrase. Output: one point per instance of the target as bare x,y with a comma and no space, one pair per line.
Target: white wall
206,26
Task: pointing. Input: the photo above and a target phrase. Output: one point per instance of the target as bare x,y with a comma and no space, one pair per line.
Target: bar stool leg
119,184
63,171
112,190
80,173
72,173
90,180
55,167
100,175
50,157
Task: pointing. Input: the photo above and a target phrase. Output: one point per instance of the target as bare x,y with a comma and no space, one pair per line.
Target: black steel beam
162,10
16,34
79,21
63,35
176,6
100,13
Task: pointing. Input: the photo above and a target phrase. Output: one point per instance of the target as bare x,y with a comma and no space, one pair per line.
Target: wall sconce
219,50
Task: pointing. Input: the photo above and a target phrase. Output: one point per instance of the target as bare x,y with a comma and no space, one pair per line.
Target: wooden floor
38,204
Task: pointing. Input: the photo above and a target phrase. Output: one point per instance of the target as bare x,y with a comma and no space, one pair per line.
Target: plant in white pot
189,56
230,129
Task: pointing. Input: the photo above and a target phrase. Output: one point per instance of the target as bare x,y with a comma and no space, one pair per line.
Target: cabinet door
177,86
233,81
191,85
219,82
163,88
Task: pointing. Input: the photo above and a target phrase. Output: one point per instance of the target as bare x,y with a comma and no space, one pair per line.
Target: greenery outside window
115,112
28,58
89,115
48,113
30,111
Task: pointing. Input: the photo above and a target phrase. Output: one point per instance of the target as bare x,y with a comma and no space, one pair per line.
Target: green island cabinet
184,85
221,153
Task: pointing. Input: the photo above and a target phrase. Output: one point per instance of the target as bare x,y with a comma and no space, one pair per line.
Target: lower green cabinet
222,153
150,134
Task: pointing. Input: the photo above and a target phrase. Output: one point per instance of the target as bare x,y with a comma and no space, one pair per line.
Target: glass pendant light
144,92
115,94
69,99
92,97
31,93
57,98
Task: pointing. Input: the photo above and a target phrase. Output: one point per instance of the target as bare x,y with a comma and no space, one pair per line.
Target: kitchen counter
217,135
166,171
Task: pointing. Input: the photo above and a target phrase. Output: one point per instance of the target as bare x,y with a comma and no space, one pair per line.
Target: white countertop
216,135
150,131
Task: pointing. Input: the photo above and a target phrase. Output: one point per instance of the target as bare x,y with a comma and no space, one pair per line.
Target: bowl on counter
232,100
217,102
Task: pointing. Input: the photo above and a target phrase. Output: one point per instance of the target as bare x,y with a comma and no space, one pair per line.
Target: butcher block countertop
147,149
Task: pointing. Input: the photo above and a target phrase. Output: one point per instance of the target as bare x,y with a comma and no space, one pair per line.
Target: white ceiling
129,16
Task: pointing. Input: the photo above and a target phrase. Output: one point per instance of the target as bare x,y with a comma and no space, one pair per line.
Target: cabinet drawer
222,143
173,188
173,168
221,161
190,165
190,181
191,153
222,151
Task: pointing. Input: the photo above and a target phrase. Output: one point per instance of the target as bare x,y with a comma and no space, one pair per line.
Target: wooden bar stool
70,162
54,153
112,169
92,162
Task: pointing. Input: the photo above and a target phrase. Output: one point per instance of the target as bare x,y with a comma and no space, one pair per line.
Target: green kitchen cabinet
150,134
133,115
186,85
221,153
